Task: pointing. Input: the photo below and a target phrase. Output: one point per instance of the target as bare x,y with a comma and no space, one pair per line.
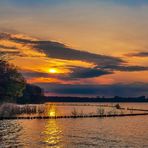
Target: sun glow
53,70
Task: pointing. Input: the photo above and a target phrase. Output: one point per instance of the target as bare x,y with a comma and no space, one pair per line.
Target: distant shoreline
45,99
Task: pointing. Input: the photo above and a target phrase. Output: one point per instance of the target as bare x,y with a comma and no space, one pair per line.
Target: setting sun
52,70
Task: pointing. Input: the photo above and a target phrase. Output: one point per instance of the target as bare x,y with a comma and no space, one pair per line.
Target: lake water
119,132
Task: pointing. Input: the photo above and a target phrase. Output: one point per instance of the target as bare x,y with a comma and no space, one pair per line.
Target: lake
129,132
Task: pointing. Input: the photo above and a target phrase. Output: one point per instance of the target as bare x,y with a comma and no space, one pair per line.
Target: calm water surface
124,132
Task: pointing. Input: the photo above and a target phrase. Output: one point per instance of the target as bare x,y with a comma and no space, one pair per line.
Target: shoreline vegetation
48,111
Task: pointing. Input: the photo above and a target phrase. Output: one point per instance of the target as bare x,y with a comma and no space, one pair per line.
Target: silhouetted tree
12,82
31,94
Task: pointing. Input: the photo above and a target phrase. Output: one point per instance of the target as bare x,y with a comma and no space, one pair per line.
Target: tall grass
9,109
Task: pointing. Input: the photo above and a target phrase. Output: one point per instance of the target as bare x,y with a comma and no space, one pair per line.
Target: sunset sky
78,47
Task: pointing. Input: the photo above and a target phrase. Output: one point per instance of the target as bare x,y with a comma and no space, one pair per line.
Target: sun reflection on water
52,113
51,110
52,134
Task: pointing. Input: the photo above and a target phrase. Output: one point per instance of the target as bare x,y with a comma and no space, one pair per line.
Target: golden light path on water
52,133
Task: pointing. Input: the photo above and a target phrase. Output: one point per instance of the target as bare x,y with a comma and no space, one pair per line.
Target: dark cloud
63,52
139,54
4,35
10,50
10,53
125,90
7,47
125,68
60,51
34,74
80,72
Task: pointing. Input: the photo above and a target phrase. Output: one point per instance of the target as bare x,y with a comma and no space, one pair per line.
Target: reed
100,111
9,109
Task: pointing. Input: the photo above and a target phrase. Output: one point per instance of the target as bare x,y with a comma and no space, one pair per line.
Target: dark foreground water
120,132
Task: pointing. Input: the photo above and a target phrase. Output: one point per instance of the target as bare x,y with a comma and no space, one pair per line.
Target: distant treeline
43,99
95,99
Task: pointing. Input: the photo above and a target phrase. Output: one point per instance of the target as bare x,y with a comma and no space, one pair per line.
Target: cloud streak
139,54
125,68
